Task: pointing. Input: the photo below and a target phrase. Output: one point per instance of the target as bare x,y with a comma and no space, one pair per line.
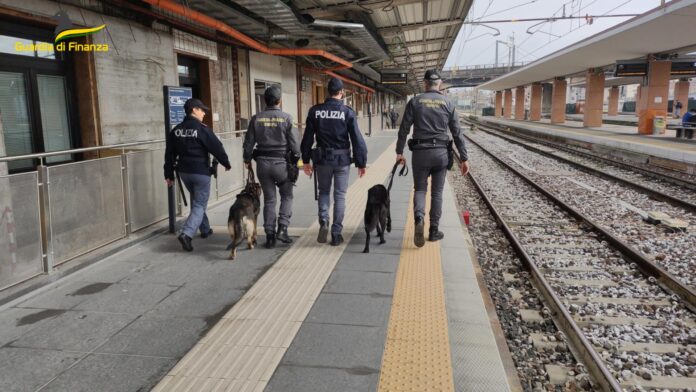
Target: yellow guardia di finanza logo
64,32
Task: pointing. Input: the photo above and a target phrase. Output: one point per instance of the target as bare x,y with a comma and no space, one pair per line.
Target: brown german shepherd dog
241,222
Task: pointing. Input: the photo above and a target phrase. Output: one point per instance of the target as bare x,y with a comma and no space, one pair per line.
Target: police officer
430,113
277,151
335,128
187,151
393,116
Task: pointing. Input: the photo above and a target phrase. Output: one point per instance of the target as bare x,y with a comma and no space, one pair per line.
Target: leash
402,172
181,189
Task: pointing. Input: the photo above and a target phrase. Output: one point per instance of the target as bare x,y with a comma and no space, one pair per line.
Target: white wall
275,69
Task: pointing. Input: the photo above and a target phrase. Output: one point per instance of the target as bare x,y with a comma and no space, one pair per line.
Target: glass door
53,106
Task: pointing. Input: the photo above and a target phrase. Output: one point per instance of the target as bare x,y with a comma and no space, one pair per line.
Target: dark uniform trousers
429,163
430,114
271,131
272,173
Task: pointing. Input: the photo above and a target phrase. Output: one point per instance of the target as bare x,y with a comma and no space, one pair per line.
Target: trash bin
659,125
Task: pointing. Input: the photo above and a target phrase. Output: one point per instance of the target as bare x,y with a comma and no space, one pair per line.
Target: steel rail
648,267
643,170
581,346
589,169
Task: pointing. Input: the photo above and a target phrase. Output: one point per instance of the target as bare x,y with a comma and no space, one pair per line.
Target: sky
475,45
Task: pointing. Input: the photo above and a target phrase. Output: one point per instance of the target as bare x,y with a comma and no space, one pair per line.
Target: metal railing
62,211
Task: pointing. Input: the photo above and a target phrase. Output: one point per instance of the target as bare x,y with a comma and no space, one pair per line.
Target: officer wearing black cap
335,128
430,113
276,154
187,152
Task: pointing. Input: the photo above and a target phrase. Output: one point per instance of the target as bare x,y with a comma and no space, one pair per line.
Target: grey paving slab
350,309
367,262
24,370
112,373
360,282
156,336
322,379
66,295
198,301
112,272
17,321
343,346
128,298
75,330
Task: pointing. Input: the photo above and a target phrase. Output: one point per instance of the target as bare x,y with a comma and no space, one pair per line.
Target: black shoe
435,234
208,234
323,231
419,237
336,239
270,240
282,234
185,242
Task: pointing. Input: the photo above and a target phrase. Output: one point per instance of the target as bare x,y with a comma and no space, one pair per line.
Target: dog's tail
236,232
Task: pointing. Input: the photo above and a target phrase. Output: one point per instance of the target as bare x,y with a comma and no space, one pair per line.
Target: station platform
628,119
300,317
619,137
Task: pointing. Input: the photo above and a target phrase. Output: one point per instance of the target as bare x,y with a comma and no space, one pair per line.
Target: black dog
241,222
377,214
377,210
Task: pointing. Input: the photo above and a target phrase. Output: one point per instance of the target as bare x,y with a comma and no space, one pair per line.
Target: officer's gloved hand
248,165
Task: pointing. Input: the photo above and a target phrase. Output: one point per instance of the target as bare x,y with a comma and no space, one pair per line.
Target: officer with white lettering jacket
335,128
187,152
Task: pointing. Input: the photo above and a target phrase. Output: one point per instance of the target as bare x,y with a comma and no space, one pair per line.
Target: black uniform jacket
271,131
431,113
335,127
188,146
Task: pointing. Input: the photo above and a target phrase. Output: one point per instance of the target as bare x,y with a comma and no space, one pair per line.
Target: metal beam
418,26
340,9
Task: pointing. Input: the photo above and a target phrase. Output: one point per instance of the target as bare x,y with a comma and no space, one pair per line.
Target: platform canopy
666,29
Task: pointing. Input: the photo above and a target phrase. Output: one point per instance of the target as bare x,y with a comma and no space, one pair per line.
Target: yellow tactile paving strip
241,352
417,352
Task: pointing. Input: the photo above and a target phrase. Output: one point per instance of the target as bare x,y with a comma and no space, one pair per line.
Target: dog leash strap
181,189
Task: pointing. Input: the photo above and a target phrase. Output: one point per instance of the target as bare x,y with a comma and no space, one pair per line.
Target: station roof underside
668,29
412,35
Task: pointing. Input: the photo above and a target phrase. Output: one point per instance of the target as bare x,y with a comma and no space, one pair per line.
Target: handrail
40,155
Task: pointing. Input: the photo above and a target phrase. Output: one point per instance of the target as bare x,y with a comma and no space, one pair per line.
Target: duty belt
271,154
428,142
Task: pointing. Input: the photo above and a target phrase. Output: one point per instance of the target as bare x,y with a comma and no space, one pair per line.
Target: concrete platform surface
128,322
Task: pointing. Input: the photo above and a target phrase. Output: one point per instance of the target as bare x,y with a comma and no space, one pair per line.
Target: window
35,96
259,88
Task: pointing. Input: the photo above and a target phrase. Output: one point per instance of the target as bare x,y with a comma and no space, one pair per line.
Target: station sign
394,78
684,67
174,99
631,68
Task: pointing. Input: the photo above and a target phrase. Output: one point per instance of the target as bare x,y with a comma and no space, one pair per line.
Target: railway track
617,309
619,209
634,171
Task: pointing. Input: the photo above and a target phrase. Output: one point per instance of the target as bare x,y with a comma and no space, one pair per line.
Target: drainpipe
215,24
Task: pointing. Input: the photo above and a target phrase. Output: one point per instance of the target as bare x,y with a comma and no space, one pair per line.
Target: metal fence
60,212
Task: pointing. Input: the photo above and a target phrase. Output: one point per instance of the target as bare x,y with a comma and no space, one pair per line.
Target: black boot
323,231
336,239
208,234
419,235
435,234
282,234
185,242
270,240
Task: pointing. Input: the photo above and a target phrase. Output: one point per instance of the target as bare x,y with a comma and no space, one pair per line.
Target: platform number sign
394,78
174,100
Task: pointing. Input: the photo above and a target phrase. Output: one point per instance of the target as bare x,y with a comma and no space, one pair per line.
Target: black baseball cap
193,103
273,93
432,74
335,85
